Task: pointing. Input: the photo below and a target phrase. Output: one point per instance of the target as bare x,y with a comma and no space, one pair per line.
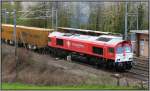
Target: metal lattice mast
56,20
5,13
126,20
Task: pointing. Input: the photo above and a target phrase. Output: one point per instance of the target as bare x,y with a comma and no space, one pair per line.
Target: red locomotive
103,50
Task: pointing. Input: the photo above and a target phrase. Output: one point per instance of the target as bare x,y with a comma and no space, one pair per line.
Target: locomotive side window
97,50
49,39
59,42
111,50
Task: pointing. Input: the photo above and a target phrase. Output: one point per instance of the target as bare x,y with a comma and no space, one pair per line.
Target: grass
15,86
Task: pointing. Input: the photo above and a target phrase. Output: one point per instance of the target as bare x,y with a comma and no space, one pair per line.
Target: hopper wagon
31,37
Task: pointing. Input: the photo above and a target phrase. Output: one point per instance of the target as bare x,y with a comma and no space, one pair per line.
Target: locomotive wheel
120,67
129,65
101,63
73,56
79,57
11,42
6,41
58,52
109,65
50,50
21,44
34,47
91,61
94,61
29,46
53,52
61,53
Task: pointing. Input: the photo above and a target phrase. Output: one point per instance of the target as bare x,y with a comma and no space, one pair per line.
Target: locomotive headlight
130,59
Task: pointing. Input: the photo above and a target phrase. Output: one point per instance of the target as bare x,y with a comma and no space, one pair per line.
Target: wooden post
117,76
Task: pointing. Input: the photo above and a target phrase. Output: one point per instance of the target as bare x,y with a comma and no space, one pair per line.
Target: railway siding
140,69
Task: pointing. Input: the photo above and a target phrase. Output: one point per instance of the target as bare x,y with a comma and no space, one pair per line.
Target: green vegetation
81,87
107,17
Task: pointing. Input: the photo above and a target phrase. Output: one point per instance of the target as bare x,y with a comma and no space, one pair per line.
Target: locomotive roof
106,39
26,27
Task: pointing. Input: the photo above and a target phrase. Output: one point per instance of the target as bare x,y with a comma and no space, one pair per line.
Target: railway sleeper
141,68
139,76
139,72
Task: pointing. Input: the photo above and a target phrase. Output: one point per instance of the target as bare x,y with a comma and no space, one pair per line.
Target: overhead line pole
15,40
5,16
126,21
4,12
52,18
56,8
56,20
137,21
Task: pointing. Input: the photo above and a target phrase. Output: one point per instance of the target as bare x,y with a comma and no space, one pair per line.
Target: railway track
138,74
140,69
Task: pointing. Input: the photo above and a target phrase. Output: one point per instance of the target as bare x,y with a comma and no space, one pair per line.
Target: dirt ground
42,69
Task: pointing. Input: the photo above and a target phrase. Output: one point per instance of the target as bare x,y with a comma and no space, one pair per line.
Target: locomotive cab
124,55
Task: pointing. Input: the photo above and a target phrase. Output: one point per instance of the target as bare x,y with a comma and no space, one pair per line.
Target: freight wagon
31,37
